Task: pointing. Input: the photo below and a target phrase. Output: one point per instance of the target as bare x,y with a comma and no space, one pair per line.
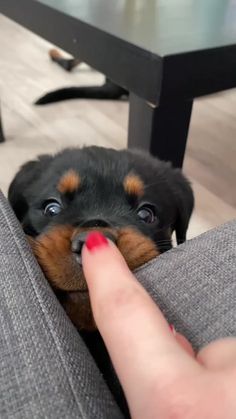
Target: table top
162,27
160,50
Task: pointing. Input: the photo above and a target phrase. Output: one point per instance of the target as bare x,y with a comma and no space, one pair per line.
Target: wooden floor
26,73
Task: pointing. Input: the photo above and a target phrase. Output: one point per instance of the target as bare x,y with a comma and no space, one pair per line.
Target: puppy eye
52,208
147,214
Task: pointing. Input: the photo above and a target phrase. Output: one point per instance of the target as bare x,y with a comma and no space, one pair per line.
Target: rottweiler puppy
134,199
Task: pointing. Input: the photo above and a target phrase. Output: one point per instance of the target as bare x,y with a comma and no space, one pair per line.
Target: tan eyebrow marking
133,185
69,182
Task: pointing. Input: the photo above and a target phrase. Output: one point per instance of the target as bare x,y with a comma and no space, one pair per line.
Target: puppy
134,199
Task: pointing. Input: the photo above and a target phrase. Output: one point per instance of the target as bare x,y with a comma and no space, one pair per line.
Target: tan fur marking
136,248
69,182
53,252
133,185
78,308
54,53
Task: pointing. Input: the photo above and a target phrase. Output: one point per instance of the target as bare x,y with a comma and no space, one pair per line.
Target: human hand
158,370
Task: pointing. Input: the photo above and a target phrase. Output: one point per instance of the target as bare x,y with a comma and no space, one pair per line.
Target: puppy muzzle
79,240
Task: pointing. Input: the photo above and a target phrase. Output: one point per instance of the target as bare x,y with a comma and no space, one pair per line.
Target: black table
165,52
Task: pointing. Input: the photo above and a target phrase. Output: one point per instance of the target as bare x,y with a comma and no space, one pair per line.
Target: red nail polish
95,240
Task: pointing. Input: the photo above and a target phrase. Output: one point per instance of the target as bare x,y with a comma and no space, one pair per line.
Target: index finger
135,332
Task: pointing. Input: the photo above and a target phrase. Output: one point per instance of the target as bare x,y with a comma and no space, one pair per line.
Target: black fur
102,172
108,91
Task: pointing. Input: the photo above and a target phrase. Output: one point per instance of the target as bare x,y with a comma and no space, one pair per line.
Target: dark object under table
165,53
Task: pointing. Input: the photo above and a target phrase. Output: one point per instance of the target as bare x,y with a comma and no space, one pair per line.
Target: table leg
2,138
162,130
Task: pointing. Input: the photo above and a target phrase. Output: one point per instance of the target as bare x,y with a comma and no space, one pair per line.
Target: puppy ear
184,201
24,178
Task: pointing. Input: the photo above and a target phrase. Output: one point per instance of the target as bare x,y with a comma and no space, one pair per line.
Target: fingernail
172,328
95,240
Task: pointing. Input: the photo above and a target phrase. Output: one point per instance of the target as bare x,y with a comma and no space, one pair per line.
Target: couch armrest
46,370
194,284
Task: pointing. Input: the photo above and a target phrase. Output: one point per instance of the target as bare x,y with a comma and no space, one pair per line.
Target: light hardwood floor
26,73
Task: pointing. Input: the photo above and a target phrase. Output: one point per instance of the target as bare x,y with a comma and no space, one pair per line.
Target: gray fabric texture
46,371
194,284
45,368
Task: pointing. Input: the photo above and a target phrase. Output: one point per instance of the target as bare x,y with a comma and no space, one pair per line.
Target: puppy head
134,199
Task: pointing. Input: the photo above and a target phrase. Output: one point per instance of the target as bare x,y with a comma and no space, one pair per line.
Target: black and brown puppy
134,199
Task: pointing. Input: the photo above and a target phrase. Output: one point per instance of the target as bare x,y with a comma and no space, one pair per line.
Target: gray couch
46,370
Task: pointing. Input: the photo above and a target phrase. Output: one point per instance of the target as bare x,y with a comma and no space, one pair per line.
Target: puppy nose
94,223
79,240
